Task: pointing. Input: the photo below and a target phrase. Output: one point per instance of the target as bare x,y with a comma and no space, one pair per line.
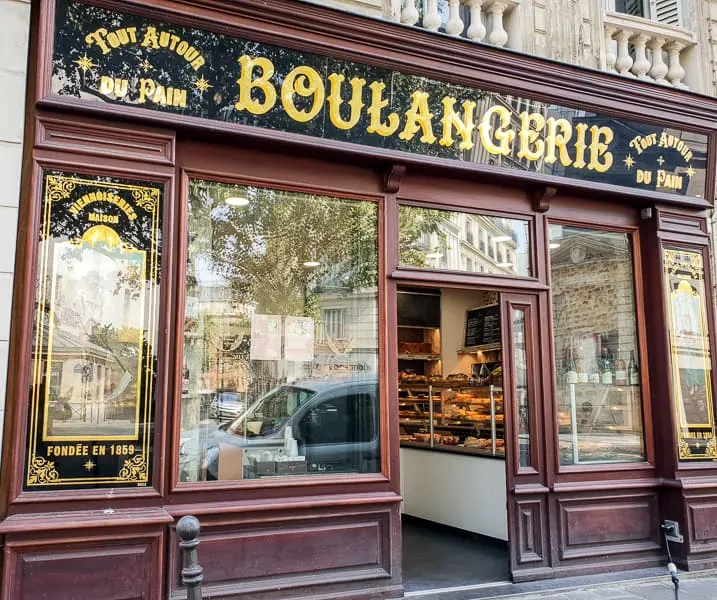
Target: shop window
280,335
596,350
514,234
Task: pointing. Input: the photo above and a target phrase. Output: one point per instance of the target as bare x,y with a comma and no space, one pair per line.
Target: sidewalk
693,586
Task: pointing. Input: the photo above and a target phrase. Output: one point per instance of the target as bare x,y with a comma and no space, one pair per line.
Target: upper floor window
662,11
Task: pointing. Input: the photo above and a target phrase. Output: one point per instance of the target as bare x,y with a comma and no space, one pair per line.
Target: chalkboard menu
483,326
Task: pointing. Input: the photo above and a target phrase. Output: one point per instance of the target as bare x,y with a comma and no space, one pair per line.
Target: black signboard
93,355
483,326
105,56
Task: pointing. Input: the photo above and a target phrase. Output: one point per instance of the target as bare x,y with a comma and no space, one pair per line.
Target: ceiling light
502,238
311,264
553,245
237,200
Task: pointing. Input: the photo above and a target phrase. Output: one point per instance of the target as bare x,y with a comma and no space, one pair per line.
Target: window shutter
666,11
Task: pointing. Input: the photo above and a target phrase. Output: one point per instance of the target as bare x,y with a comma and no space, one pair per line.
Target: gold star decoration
690,171
629,161
85,63
89,465
146,66
660,161
202,84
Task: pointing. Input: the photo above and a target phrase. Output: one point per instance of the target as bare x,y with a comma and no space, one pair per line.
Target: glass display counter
464,418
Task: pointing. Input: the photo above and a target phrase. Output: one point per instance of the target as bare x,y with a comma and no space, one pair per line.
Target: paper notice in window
298,338
265,337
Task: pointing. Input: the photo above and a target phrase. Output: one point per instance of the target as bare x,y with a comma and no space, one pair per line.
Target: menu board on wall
690,354
483,326
94,341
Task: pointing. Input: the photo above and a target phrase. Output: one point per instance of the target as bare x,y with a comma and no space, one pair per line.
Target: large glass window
596,351
280,335
441,239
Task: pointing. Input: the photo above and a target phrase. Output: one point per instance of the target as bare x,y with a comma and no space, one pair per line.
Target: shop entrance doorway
452,428
463,414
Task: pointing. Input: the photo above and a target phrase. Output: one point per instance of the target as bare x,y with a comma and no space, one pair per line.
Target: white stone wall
14,33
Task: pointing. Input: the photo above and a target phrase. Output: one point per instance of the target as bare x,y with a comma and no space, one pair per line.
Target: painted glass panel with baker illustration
95,333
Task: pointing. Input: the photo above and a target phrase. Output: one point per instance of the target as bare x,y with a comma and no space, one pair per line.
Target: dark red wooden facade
343,532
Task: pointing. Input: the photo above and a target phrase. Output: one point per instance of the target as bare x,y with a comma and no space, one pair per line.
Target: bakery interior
451,415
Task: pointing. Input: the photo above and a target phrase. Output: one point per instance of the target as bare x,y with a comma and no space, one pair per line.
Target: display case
454,417
599,423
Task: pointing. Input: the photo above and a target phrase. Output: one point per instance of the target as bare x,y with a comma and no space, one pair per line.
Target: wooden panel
703,523
257,559
603,525
86,136
681,223
111,570
530,520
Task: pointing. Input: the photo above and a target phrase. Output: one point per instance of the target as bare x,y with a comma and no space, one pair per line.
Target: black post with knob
188,533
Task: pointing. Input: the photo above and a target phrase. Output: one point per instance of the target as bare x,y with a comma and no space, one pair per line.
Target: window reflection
281,335
458,241
596,354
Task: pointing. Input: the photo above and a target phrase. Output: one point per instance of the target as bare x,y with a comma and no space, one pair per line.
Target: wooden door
527,494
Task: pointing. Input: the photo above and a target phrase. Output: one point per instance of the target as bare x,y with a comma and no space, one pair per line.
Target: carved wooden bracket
392,180
542,197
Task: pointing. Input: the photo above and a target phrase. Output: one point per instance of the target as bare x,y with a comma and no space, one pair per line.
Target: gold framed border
688,266
42,471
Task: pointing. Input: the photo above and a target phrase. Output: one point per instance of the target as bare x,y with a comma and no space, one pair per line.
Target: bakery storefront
388,313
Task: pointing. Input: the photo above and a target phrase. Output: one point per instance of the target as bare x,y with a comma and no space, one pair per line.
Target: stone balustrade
647,50
477,20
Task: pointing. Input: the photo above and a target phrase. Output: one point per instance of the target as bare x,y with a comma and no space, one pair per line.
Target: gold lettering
198,63
502,136
554,140
247,83
150,38
147,89
182,48
305,82
580,146
451,119
376,125
180,98
529,136
107,85
335,101
644,177
418,117
598,149
97,37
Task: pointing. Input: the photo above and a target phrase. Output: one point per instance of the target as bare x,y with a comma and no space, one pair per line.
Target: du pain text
305,94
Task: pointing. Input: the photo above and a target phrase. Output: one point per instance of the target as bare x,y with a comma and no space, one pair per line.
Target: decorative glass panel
280,335
520,373
690,352
441,239
596,352
94,342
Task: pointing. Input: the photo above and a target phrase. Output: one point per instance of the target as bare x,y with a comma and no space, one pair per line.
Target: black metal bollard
188,532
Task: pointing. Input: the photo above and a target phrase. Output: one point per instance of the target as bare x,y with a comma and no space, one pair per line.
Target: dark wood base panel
111,565
321,553
607,528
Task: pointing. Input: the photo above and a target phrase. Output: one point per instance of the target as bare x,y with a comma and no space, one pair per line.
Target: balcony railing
477,20
648,50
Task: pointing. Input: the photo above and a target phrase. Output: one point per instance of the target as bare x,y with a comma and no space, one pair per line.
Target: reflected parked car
334,422
226,406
